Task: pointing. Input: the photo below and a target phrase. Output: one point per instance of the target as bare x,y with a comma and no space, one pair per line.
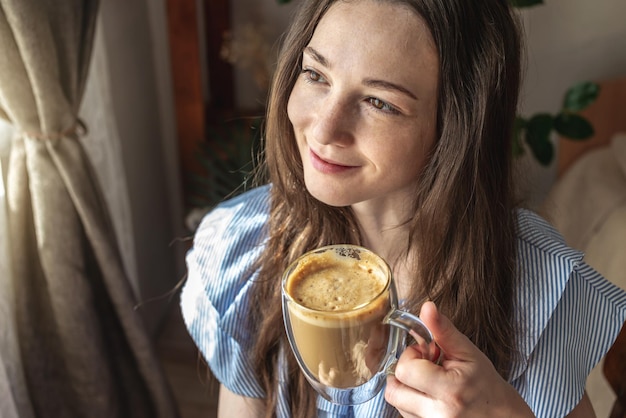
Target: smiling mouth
327,167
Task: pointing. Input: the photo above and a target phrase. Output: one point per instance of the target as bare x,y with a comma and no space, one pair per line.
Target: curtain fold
72,344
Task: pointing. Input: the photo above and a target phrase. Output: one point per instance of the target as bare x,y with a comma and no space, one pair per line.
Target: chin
329,195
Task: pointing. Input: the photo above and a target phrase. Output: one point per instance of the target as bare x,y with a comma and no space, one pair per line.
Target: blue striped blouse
569,314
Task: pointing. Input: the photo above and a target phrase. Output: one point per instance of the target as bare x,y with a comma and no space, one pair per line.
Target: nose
333,121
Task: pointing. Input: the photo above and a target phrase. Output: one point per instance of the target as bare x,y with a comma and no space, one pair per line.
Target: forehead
390,34
382,15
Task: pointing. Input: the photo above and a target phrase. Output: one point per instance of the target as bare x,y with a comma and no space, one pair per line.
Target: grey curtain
71,344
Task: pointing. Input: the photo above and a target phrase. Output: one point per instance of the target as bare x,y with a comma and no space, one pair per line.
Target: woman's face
364,107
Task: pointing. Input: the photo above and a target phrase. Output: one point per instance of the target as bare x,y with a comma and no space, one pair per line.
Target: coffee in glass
343,324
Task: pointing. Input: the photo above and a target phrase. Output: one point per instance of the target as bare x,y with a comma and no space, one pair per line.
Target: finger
455,344
420,374
409,402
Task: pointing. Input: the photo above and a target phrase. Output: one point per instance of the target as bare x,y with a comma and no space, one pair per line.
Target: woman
388,126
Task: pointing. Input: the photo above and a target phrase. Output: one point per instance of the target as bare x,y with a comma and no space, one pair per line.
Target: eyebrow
317,56
370,82
386,85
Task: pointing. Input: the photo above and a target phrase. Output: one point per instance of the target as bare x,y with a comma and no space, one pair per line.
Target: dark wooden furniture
203,86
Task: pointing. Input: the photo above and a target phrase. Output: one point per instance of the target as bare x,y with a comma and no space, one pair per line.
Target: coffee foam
330,282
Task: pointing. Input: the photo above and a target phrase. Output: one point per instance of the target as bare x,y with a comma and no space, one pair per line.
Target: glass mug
341,315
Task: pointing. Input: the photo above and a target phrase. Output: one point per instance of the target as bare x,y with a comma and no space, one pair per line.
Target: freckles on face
364,107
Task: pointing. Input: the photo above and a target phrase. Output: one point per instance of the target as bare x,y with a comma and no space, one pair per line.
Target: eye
313,76
382,105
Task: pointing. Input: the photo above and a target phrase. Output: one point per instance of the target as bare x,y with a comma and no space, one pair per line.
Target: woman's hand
465,384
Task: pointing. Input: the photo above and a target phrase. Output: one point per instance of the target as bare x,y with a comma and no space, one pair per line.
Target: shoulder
229,240
215,296
544,266
535,231
248,211
226,244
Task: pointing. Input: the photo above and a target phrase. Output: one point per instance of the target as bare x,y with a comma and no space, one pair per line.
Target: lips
327,166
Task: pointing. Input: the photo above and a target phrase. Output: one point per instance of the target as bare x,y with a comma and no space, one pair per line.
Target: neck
383,226
388,237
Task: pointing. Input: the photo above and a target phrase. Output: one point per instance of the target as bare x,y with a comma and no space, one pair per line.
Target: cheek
406,158
291,108
296,117
295,108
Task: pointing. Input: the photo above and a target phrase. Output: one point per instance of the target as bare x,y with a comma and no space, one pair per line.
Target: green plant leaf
573,126
581,95
525,3
543,151
539,126
538,131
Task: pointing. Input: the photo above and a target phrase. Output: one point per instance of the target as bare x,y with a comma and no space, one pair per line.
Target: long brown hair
463,230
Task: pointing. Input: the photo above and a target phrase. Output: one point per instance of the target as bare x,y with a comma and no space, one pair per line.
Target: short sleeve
215,297
581,330
571,316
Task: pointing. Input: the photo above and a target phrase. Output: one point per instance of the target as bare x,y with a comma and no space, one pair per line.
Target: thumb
454,344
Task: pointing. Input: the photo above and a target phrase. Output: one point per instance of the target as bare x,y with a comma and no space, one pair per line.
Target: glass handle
414,326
